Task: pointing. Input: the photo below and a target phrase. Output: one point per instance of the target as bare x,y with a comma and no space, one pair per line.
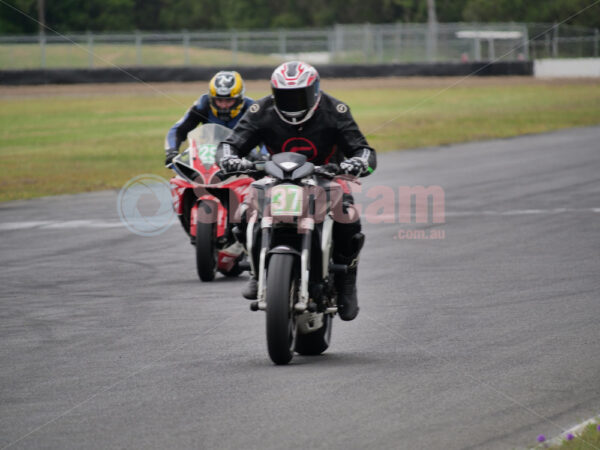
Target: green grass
589,439
28,56
64,144
64,55
426,117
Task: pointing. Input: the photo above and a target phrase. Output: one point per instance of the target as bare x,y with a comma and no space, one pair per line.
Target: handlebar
254,168
249,168
329,170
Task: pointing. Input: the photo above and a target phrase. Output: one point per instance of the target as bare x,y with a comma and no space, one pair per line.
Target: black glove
354,166
327,170
230,164
171,153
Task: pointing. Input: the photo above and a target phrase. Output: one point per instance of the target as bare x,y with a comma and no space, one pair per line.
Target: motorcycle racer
299,117
224,104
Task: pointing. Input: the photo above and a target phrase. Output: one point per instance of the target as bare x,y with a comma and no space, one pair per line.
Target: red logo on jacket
300,145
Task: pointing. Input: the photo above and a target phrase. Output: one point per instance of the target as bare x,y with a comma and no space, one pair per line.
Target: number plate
206,153
286,200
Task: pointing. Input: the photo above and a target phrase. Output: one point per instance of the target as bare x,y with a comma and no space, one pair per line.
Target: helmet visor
294,101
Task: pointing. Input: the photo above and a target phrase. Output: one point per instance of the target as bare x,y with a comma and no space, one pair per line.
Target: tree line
155,15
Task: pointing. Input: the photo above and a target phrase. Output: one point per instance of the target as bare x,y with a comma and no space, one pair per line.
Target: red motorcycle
204,217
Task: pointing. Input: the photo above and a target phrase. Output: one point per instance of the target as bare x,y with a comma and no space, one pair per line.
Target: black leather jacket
328,136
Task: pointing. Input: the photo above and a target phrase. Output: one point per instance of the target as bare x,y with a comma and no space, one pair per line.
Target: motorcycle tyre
282,293
206,248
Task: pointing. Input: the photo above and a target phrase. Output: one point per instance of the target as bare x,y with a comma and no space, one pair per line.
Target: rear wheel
282,293
206,241
316,342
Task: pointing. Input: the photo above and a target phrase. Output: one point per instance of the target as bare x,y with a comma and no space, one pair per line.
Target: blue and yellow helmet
226,85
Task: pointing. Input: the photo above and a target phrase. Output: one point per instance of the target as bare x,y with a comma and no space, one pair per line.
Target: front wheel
282,293
206,241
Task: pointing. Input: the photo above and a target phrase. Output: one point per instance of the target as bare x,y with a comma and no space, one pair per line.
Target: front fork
307,224
266,230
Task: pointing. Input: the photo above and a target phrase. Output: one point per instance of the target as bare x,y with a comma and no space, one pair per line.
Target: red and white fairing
198,162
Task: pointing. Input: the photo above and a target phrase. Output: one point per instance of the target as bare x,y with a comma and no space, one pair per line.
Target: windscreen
205,140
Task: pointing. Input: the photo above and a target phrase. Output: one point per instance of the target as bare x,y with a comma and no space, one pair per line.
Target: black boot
345,285
250,291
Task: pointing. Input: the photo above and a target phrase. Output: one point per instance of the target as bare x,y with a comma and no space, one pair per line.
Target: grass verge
58,144
588,439
28,56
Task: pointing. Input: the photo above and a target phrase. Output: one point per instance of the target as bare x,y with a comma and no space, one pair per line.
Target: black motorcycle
289,233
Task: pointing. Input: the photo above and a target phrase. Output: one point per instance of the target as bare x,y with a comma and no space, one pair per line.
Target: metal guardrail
341,44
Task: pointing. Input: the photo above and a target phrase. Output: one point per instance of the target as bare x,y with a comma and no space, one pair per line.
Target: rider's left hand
354,166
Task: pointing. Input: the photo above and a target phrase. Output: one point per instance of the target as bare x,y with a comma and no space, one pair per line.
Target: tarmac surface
484,338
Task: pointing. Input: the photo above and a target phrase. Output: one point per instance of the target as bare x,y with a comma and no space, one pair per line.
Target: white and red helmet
295,87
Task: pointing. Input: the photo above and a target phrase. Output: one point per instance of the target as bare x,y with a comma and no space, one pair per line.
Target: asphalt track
484,339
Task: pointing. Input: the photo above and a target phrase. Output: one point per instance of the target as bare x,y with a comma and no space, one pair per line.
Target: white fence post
431,41
186,47
331,45
397,42
90,43
379,44
491,50
282,43
42,49
477,49
234,47
138,47
525,32
367,41
339,39
555,41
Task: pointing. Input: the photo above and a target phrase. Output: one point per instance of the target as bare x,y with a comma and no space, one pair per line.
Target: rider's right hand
171,153
231,164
